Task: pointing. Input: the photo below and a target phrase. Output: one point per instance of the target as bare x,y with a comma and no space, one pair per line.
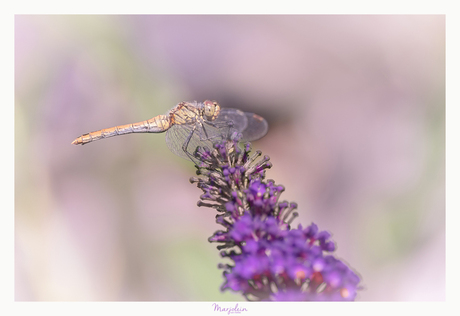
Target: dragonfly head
211,110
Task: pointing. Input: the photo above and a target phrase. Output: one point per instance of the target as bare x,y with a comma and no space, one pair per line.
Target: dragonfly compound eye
211,110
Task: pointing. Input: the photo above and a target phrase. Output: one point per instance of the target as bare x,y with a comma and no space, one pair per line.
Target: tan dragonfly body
189,125
183,113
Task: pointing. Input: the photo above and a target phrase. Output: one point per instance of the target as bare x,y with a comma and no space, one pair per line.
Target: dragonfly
189,125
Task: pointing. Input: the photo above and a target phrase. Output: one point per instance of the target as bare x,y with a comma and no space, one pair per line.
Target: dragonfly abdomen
158,124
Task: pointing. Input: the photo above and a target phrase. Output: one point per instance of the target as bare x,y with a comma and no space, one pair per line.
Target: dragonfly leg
186,143
220,126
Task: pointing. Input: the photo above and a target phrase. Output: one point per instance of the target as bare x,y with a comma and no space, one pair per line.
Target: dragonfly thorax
211,110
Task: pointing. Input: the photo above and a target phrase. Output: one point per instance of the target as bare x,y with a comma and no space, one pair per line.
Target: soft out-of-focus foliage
356,110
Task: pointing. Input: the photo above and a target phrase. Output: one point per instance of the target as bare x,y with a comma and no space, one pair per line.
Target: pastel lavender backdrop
356,109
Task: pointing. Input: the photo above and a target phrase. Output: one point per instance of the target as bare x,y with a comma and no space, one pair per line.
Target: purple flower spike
271,260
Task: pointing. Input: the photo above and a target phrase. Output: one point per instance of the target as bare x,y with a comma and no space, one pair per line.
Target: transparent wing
251,125
257,127
240,121
202,135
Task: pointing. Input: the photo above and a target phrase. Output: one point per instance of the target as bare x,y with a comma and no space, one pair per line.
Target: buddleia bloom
270,261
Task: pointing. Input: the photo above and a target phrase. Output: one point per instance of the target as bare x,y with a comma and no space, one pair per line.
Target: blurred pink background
356,107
